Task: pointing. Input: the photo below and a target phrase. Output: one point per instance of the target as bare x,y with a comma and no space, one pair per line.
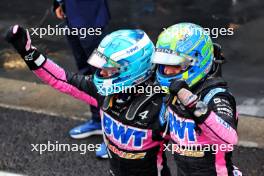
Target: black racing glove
181,90
177,85
190,101
20,39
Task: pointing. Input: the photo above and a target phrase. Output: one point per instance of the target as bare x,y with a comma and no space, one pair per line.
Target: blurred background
244,72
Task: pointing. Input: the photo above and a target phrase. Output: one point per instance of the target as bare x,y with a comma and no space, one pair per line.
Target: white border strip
39,111
248,144
2,173
251,107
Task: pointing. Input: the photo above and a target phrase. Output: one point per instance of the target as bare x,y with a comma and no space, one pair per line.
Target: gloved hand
20,39
181,89
190,101
176,85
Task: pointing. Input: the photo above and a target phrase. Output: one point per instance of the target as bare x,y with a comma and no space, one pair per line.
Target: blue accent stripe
211,94
162,114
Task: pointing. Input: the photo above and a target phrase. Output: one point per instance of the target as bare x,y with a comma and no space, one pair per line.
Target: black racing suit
130,124
197,140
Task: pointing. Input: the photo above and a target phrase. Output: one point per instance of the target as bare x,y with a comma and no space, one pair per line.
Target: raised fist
177,85
20,39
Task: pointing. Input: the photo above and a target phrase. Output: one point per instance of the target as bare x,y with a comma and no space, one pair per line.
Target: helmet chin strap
219,59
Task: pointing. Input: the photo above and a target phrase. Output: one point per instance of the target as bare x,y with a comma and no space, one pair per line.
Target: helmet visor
170,57
100,61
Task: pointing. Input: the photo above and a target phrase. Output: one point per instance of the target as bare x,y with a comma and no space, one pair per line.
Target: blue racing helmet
129,53
186,45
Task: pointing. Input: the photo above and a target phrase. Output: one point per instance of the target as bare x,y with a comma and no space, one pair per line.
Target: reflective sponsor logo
123,133
132,50
225,110
217,100
225,101
189,153
224,123
126,155
182,129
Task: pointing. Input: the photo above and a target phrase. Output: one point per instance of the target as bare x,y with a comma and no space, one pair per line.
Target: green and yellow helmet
186,45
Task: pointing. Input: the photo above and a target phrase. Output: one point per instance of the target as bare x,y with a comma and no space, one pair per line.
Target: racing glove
20,39
190,101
